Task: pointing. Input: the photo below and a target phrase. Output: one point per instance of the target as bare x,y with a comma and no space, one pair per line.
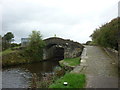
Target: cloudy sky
69,19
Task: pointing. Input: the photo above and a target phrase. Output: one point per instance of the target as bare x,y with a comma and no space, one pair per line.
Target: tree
107,35
8,37
35,46
88,42
6,40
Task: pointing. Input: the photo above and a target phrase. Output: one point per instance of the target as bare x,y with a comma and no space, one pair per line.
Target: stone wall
71,49
112,53
72,53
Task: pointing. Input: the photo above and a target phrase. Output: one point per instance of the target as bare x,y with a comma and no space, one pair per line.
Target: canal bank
73,75
22,75
20,70
14,57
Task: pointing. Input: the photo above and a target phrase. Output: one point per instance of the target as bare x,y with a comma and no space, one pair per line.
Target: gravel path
100,69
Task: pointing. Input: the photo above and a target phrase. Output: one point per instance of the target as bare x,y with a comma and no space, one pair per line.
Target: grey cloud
21,17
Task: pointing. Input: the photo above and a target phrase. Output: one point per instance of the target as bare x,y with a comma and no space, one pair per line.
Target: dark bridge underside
59,53
54,52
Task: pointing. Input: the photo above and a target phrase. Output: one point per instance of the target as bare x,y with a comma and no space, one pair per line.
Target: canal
21,76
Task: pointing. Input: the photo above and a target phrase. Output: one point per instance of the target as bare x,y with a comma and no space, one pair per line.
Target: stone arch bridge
61,48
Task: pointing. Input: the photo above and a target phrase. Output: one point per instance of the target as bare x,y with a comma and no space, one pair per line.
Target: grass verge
6,52
13,57
74,81
70,62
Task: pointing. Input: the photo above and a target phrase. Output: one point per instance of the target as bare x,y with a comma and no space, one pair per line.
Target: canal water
20,76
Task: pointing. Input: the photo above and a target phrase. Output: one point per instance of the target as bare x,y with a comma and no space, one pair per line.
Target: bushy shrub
108,34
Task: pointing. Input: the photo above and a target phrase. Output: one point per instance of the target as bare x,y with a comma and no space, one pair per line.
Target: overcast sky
68,19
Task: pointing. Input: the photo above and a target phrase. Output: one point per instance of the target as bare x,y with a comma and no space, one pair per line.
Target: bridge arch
61,48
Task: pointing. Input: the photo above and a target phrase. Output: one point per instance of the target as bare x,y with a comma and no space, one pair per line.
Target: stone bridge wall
71,49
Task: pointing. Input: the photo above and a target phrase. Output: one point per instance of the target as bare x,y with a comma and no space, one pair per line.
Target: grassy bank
6,52
70,62
12,57
74,81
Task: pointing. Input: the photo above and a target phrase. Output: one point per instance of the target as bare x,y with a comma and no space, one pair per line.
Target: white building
24,42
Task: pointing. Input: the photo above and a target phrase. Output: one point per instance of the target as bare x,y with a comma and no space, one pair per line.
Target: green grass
6,52
16,47
74,81
71,61
13,57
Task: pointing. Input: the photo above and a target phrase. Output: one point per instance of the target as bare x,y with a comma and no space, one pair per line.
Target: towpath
101,71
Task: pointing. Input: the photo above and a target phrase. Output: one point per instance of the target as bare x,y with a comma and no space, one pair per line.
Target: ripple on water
15,78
